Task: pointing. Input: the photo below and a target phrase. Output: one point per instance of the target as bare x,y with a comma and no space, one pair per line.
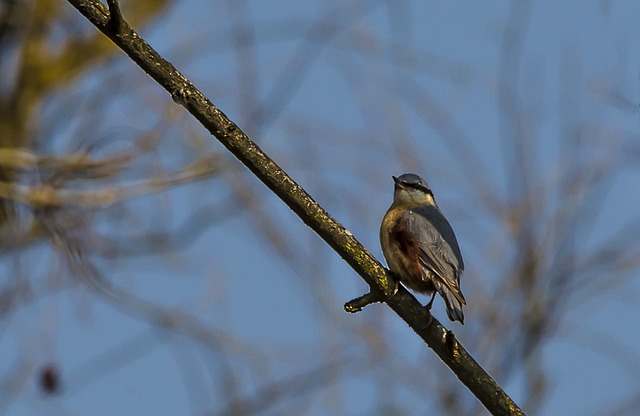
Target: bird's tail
455,303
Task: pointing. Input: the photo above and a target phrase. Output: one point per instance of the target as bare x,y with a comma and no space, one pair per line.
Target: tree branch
383,287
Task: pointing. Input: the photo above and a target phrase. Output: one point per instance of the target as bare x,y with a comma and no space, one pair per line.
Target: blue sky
353,92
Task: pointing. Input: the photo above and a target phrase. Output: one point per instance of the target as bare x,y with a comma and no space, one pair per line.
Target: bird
420,246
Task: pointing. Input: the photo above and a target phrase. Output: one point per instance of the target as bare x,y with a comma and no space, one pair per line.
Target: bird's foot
428,306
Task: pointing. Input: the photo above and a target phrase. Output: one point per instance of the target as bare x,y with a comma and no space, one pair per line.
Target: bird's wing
439,247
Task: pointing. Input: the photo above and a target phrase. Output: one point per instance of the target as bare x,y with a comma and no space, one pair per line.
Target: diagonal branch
341,240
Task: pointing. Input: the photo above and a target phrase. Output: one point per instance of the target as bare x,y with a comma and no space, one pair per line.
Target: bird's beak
398,184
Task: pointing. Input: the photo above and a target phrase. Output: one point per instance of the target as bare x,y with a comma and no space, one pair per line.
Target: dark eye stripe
426,190
418,186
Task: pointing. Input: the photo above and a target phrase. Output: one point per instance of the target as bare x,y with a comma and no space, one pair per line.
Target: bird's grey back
443,233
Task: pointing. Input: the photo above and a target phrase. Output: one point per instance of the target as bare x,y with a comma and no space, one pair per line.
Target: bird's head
411,191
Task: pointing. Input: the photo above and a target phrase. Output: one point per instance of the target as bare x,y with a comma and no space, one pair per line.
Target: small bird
420,247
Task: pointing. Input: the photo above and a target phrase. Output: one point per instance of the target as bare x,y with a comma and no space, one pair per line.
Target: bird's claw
428,306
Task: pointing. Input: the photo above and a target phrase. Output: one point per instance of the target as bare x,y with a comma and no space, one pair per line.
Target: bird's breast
401,250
